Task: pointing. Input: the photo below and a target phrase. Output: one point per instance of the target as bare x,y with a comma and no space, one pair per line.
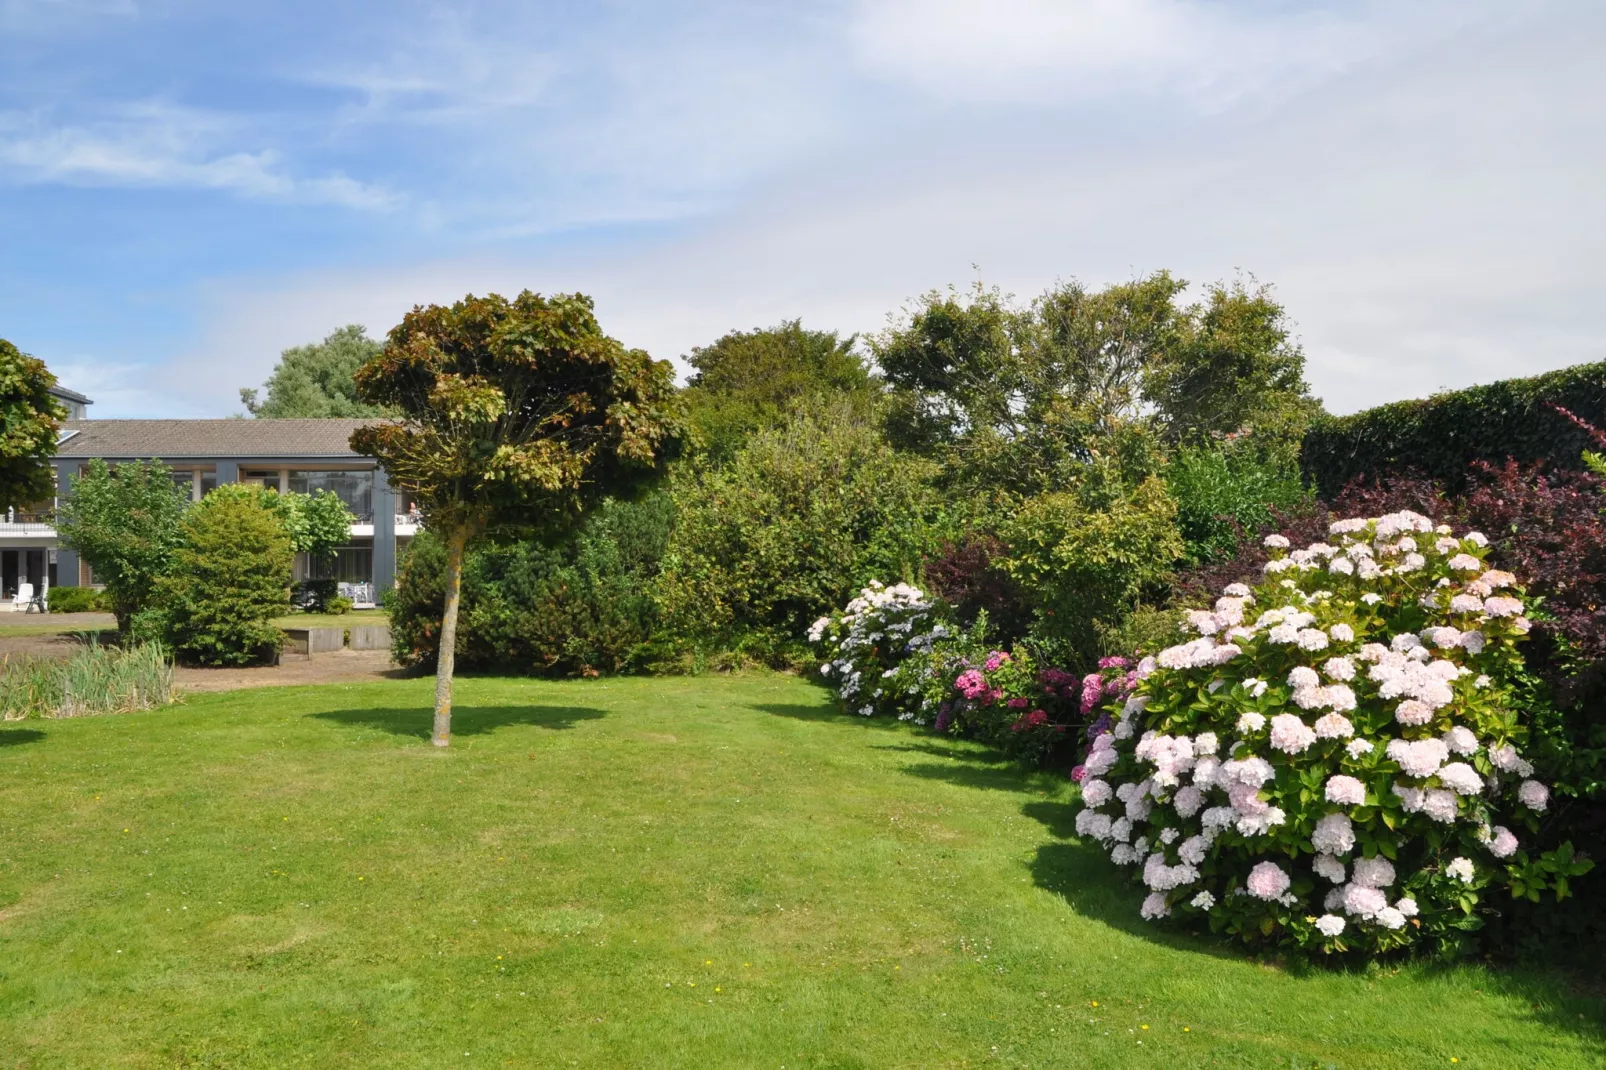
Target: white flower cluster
1397,721
865,642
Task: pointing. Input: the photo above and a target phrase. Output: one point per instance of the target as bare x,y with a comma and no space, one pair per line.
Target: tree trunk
446,658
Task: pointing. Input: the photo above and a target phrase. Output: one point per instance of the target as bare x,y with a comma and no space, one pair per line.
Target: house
298,455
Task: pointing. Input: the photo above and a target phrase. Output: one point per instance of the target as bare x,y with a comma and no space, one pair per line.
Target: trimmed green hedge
1442,435
78,600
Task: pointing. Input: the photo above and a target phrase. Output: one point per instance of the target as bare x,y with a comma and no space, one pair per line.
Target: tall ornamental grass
98,679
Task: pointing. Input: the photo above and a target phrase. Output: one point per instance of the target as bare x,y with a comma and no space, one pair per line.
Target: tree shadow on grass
15,737
826,711
418,721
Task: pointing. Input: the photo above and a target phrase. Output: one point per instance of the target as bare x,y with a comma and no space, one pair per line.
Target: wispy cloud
154,145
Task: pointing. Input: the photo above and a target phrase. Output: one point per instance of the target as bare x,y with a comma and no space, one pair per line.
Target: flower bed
1334,763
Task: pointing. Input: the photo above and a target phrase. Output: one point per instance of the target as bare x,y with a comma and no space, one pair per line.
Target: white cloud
1050,53
155,145
1429,222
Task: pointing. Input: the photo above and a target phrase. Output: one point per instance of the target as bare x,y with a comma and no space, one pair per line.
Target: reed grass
98,679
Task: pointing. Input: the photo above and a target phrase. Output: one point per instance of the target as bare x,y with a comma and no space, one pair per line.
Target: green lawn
686,872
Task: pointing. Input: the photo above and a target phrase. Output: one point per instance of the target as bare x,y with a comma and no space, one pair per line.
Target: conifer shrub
228,581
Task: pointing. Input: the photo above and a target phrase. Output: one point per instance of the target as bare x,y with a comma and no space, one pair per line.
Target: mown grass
637,873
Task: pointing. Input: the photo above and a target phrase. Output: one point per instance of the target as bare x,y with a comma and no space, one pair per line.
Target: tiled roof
208,438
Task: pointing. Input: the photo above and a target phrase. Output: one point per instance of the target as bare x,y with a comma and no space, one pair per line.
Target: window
260,478
355,488
208,483
186,480
349,564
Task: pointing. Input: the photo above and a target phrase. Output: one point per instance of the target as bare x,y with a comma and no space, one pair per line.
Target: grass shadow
16,737
417,721
825,712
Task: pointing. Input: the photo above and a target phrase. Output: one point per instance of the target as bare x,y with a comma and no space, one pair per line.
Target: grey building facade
288,455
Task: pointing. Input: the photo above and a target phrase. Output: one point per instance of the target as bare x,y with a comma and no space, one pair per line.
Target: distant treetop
317,380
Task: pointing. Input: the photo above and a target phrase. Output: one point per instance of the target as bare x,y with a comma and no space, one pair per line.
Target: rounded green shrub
230,578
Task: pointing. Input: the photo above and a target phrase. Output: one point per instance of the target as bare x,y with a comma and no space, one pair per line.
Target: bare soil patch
340,666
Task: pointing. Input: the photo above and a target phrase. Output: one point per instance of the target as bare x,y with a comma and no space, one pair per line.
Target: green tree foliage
228,581
752,379
317,380
1022,398
580,607
1235,369
30,420
1086,568
316,523
513,414
1223,494
803,516
124,521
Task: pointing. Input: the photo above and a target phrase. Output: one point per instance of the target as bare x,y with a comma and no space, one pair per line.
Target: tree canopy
1024,397
512,414
30,420
748,380
124,521
316,380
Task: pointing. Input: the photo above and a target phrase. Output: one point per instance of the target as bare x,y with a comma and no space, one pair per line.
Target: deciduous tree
315,380
124,521
30,420
512,414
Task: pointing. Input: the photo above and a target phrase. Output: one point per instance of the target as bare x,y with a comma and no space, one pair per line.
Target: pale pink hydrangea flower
1275,542
1345,790
1461,778
1421,758
1466,603
1334,726
1363,901
1325,865
1334,835
1154,907
1303,676
1461,741
1340,669
1440,805
1267,881
1357,747
1376,872
1413,712
1342,633
1096,792
1503,844
1534,795
1251,722
1407,907
1291,735
1502,606
1466,563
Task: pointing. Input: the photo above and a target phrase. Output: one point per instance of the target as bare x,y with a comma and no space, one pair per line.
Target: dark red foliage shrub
968,576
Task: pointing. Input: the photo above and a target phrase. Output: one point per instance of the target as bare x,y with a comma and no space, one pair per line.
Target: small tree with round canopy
518,415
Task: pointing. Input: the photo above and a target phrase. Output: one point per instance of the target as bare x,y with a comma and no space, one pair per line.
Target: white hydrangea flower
1462,870
1330,925
1358,747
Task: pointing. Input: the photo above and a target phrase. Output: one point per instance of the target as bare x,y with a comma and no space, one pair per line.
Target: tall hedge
1442,435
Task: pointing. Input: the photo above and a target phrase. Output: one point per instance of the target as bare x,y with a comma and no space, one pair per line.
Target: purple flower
1112,663
945,716
1092,692
1019,703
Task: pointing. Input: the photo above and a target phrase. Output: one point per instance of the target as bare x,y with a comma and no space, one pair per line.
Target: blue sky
186,188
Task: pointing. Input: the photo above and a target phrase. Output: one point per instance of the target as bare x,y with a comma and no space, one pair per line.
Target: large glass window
349,564
356,489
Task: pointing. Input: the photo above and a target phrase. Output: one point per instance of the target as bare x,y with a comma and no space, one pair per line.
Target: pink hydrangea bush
1334,761
1004,698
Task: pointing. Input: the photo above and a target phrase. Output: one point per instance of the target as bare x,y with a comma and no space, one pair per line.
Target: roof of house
71,395
235,438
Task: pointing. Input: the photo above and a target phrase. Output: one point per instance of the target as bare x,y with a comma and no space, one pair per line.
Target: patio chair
23,600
